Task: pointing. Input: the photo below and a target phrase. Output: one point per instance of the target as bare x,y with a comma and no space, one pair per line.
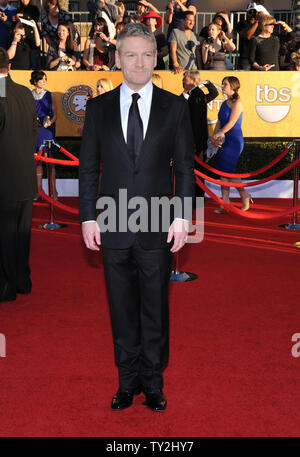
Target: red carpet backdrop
231,370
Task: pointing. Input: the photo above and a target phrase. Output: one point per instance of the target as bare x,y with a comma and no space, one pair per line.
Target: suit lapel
114,123
158,113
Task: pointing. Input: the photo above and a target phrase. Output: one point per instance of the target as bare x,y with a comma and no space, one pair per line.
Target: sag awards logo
214,106
273,105
74,100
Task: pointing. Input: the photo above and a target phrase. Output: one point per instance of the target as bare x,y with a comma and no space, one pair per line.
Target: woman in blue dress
229,124
46,114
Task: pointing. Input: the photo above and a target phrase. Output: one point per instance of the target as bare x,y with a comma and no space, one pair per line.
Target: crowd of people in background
51,41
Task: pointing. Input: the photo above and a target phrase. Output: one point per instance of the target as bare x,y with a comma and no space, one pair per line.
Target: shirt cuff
85,222
186,223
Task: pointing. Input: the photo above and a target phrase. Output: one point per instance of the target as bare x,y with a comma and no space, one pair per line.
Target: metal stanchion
51,225
294,224
176,274
180,276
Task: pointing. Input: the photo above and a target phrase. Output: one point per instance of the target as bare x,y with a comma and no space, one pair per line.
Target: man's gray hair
194,74
135,29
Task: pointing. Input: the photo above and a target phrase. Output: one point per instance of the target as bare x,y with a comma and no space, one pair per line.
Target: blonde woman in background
104,85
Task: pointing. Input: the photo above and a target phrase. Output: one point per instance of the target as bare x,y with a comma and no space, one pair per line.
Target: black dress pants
15,225
137,282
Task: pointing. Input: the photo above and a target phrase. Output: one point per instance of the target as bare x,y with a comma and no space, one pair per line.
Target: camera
97,34
209,40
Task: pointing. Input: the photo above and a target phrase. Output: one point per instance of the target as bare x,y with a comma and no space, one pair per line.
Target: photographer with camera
248,28
98,51
214,48
19,46
62,53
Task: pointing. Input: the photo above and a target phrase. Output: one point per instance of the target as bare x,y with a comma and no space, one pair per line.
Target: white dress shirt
144,104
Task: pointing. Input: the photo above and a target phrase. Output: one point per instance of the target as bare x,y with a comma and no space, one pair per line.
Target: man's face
251,15
3,3
188,83
137,58
140,9
189,22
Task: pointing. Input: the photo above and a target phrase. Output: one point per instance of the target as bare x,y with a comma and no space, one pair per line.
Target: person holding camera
98,52
26,10
62,55
221,18
248,28
214,48
20,45
184,51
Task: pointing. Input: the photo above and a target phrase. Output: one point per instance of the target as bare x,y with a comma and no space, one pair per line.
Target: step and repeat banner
271,99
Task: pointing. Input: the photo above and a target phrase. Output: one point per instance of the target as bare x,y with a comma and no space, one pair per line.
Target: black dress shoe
155,400
123,399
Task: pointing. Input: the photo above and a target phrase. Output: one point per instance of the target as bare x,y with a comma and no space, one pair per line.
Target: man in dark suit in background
198,101
136,131
18,134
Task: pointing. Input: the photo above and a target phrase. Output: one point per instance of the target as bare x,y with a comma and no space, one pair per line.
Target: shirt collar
145,92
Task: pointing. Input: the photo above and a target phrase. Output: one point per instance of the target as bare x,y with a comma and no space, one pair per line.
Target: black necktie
134,129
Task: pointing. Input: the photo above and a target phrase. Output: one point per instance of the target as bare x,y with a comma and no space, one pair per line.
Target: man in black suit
198,101
136,131
18,134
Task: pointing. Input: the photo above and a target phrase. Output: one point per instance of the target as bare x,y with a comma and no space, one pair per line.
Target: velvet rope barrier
245,175
58,204
67,153
74,162
57,161
238,212
248,184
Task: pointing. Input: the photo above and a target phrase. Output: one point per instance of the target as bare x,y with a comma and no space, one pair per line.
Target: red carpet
231,371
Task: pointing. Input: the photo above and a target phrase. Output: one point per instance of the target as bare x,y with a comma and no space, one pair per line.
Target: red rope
58,204
57,161
248,184
238,212
245,175
74,162
68,154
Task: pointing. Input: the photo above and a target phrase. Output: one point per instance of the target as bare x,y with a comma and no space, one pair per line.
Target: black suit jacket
168,138
18,134
198,110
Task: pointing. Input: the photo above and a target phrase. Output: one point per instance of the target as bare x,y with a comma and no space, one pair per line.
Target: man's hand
266,67
3,17
178,69
179,230
91,235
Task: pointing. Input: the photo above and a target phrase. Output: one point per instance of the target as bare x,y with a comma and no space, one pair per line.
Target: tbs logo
275,111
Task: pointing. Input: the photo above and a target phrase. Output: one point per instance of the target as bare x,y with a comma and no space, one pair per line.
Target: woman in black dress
264,48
